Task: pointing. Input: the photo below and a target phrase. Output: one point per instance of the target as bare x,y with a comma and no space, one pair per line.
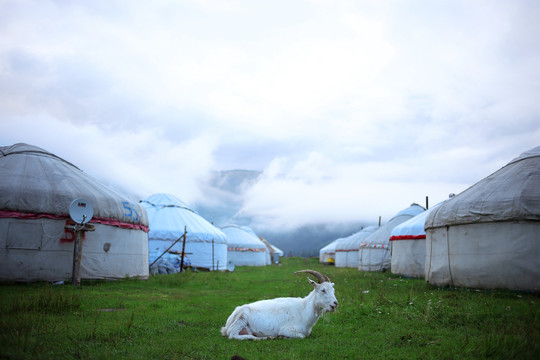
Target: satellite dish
81,211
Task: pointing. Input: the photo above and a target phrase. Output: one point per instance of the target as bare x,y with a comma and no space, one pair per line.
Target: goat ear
314,283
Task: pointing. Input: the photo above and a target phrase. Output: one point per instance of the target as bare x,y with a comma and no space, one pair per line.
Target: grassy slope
179,317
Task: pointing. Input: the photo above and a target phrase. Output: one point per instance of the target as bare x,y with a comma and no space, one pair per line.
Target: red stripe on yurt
98,220
407,237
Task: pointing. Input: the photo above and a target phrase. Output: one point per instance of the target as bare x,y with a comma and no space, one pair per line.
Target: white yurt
244,247
273,254
36,190
374,253
347,249
488,236
327,254
205,245
408,246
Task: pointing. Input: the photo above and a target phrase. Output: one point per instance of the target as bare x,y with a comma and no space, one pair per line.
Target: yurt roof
275,249
354,241
168,216
242,236
412,229
36,183
510,194
331,247
382,235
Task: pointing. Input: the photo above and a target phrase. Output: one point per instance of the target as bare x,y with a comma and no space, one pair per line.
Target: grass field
380,316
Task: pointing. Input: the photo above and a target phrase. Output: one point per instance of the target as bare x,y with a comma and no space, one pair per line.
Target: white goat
286,317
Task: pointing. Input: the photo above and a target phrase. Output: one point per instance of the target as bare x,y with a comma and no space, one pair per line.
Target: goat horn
320,277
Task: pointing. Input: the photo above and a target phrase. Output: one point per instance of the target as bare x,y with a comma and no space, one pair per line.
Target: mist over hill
225,194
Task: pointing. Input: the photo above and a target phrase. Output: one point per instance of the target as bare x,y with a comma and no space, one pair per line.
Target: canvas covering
36,190
511,193
488,236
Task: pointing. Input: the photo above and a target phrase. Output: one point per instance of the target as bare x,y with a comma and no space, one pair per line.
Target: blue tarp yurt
205,245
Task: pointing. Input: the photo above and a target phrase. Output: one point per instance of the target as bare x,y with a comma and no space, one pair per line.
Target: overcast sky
353,109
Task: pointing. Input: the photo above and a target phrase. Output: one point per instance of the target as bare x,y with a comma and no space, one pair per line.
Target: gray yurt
488,236
36,190
408,246
347,249
374,253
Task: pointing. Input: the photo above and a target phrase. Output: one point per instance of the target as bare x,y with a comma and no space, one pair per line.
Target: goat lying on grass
287,317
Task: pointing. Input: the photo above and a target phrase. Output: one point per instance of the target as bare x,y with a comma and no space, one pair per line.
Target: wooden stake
77,257
77,250
183,248
169,248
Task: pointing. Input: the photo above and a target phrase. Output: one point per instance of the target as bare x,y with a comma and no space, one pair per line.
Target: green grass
380,316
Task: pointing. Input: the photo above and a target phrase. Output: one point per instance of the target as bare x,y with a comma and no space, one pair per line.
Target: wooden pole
379,221
77,257
163,253
77,250
183,248
427,202
213,254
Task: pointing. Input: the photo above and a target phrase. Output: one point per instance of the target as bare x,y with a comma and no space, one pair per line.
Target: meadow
179,316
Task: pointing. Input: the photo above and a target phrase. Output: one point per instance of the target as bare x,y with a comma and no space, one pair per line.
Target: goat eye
323,290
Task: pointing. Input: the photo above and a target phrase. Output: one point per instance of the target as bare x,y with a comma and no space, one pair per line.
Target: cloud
139,163
318,189
352,109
